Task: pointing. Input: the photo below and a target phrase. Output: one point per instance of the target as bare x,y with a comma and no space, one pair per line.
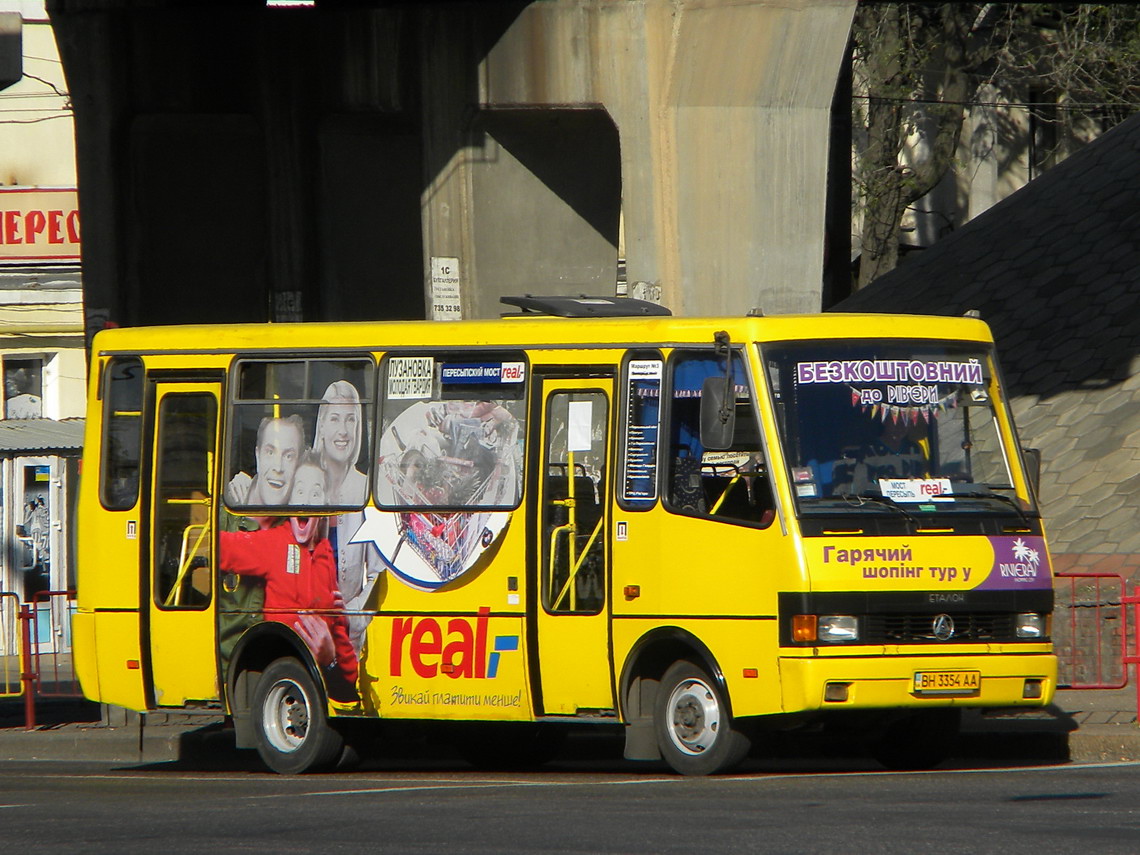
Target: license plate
947,682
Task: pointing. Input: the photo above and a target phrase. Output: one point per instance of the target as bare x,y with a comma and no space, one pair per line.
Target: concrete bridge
249,162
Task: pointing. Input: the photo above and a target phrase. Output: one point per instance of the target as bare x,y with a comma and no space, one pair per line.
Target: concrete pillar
721,115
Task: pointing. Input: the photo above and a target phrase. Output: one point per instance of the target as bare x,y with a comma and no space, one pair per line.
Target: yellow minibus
698,530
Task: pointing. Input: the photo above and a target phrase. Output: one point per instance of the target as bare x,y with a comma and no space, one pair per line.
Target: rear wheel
293,732
695,731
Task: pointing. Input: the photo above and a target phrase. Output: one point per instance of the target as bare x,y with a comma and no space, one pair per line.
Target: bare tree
919,67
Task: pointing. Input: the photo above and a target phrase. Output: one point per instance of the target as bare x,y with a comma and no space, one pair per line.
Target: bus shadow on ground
212,748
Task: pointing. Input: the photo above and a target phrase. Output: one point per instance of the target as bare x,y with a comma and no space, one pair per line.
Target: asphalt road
93,808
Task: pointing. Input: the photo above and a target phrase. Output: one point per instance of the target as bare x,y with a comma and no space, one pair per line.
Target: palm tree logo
1025,554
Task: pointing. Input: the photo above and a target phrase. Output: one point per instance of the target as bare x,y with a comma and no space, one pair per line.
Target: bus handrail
577,565
185,560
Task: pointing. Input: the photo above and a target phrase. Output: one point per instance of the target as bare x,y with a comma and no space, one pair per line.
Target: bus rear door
572,549
182,636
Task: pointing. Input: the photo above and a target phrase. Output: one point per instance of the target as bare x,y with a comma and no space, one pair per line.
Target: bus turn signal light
803,627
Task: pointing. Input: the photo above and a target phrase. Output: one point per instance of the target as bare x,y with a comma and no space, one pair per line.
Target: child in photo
298,569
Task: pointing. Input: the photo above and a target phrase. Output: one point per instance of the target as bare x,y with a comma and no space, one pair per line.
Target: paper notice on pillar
445,302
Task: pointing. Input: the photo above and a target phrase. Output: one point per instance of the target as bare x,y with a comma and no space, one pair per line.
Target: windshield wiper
990,494
880,499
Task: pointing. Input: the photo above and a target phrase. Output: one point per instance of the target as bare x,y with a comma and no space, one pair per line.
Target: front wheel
293,732
695,732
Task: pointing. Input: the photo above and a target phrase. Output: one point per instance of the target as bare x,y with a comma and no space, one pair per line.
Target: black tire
290,720
920,740
695,731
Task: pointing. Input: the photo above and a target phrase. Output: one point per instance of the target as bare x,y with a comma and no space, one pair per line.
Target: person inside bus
279,444
295,563
337,439
897,452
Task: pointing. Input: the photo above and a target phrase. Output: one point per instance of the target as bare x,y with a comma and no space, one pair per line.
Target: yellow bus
590,513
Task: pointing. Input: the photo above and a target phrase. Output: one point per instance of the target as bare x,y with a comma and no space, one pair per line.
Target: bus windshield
891,425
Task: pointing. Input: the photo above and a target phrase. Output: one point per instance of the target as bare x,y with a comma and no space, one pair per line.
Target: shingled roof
1055,271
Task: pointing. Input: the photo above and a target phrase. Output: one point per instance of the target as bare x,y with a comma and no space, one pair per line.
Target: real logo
458,649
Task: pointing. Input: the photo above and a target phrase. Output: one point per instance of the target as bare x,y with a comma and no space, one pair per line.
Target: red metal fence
35,649
1090,630
1133,657
1096,631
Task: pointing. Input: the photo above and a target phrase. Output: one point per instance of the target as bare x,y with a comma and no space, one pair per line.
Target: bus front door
182,633
574,673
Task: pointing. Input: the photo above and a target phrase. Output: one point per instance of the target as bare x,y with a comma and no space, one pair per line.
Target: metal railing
51,644
1090,630
35,649
1133,658
11,647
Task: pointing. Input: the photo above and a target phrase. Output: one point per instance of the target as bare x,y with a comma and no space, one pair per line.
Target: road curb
1106,743
101,745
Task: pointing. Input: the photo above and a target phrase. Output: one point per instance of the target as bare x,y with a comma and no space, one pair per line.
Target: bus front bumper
917,681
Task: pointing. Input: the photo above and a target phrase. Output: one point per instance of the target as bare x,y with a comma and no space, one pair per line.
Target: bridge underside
250,163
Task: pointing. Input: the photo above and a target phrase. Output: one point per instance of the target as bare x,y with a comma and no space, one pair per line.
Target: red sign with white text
38,224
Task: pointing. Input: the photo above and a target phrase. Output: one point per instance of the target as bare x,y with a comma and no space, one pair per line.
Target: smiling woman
337,441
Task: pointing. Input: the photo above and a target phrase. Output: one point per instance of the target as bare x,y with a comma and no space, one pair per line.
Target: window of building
23,387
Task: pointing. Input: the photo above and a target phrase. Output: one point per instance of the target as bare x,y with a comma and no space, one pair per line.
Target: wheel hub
286,716
695,718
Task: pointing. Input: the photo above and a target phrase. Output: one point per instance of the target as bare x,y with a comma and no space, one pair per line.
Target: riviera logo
461,652
1025,563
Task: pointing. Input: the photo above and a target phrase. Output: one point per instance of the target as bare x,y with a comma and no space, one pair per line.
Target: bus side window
122,433
732,484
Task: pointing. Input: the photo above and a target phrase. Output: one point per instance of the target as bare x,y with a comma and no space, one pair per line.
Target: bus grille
919,628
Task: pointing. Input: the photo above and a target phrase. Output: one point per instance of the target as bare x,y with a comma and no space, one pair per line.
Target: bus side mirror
1031,459
718,415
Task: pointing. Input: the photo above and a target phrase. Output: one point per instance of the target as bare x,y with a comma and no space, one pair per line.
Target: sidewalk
1080,726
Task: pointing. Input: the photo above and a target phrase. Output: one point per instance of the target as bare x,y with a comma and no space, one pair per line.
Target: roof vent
583,307
971,313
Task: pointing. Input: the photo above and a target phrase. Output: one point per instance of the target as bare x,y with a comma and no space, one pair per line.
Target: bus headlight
838,628
1031,625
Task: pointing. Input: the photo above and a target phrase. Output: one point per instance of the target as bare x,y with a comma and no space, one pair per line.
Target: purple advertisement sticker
1020,561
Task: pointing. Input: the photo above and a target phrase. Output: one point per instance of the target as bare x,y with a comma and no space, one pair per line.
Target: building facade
42,357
